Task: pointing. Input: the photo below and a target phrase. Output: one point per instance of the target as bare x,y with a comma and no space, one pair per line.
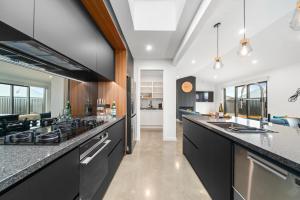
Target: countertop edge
271,155
10,181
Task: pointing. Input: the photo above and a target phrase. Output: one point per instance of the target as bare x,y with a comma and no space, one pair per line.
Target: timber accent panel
113,90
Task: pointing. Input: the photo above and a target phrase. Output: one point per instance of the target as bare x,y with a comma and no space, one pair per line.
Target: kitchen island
24,167
212,152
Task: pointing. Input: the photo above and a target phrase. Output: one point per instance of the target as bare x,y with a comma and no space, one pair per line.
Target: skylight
156,15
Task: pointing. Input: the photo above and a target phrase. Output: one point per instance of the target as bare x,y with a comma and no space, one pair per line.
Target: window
37,100
229,104
16,99
244,101
241,102
5,99
254,103
20,100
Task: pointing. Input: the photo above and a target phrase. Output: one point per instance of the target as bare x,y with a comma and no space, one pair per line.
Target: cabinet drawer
116,133
191,131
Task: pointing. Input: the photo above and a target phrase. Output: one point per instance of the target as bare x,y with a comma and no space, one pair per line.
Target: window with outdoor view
245,101
17,99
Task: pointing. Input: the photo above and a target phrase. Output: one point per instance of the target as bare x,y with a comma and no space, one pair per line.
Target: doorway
151,101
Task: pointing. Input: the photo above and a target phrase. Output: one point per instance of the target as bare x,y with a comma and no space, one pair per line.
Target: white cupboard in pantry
151,118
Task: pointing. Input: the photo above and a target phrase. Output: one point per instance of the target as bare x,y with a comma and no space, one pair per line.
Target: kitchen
138,99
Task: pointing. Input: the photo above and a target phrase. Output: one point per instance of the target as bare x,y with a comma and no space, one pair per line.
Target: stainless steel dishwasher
257,179
93,165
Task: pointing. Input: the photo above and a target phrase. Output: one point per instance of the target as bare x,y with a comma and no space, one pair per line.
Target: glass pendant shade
218,63
245,48
295,22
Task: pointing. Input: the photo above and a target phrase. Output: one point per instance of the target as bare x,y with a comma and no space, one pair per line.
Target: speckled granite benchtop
282,146
19,161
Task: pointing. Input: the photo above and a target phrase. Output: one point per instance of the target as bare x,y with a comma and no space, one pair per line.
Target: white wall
205,107
169,84
282,83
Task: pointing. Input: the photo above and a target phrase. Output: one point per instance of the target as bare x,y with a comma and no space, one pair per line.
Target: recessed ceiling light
193,61
242,31
149,47
215,76
254,62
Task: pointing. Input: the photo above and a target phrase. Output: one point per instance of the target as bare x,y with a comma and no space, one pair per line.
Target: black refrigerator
131,115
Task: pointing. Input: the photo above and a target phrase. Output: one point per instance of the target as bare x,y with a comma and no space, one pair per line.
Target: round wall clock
187,86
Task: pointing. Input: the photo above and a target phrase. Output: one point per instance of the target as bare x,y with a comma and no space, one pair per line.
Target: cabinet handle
87,160
280,173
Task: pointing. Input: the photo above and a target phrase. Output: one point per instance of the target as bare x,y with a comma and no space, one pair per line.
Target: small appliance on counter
160,105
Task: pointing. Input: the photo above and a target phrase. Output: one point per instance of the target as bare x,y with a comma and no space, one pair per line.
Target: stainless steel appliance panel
258,179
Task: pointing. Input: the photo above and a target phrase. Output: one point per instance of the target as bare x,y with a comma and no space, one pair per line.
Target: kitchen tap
262,100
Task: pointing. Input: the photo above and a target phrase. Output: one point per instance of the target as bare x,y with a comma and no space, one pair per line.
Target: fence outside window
30,100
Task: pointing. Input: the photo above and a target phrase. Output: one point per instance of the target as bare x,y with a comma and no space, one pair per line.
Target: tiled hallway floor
156,170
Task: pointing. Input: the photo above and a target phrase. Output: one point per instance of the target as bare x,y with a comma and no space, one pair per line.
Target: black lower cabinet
58,180
117,135
211,157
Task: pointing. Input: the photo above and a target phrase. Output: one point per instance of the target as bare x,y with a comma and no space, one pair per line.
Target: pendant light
295,22
245,48
218,62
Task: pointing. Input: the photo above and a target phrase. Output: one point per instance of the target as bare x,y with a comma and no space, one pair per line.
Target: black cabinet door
18,14
117,133
59,181
213,160
114,160
105,58
65,26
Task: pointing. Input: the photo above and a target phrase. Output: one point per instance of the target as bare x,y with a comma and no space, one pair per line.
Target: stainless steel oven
93,165
258,179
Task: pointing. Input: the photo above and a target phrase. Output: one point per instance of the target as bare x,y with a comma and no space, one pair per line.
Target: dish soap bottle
221,110
113,109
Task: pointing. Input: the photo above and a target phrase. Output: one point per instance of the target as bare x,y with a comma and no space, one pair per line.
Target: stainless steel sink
239,128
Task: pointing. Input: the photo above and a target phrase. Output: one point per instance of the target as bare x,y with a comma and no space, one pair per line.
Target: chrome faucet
262,100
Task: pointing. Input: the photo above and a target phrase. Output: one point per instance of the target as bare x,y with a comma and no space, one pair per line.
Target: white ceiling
151,15
15,73
165,43
275,44
267,25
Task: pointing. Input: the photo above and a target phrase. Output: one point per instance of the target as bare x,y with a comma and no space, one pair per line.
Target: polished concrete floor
156,170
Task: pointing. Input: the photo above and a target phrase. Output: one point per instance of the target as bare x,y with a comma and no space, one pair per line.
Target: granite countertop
19,161
282,146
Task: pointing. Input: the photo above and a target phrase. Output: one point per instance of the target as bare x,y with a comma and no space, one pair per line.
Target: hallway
156,170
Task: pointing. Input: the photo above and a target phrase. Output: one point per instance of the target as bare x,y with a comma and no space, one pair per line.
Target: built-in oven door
93,168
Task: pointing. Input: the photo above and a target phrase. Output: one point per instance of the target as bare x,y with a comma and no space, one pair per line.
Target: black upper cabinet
66,27
105,58
18,14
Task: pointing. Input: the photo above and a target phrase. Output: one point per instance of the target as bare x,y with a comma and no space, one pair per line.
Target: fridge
131,115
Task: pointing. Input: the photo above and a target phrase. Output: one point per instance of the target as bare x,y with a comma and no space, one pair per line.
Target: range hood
18,48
